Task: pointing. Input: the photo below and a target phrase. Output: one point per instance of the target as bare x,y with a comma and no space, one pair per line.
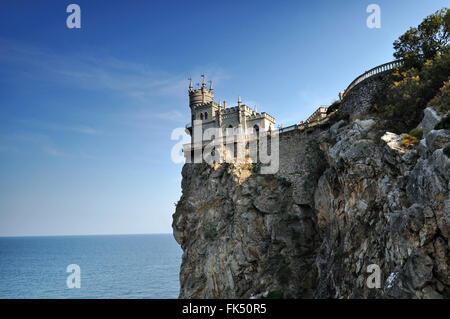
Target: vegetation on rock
409,141
441,102
444,124
417,133
418,45
425,51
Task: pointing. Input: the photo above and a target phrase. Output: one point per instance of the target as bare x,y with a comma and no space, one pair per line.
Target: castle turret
200,96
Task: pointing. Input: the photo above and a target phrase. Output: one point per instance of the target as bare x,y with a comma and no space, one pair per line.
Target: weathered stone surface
343,199
430,119
437,139
394,141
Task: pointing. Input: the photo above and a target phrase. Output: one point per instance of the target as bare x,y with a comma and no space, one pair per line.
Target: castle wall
230,117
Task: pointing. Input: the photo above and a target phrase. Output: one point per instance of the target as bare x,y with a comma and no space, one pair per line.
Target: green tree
426,54
420,44
411,90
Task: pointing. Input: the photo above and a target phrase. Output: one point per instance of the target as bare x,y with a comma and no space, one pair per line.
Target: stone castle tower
212,114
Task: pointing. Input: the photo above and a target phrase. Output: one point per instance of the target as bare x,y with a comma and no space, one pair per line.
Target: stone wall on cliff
357,101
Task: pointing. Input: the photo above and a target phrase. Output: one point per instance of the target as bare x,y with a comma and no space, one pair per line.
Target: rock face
430,119
345,197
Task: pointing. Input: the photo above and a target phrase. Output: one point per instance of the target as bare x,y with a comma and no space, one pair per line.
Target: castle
214,115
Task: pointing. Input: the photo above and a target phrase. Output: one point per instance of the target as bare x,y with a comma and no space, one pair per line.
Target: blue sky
86,114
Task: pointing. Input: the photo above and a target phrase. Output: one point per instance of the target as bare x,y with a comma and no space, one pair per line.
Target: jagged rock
430,119
365,124
437,139
343,199
422,147
394,142
335,127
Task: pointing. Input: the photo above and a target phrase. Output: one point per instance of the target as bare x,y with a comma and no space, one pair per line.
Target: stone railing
376,70
318,114
302,126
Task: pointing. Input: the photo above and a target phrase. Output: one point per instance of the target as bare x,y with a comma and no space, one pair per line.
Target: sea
106,266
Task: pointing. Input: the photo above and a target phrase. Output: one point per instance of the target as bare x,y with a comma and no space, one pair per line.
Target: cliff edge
347,195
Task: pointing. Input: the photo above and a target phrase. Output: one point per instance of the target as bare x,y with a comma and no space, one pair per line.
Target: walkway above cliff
364,87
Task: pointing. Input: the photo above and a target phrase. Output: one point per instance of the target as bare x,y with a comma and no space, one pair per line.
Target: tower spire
203,82
239,100
210,85
190,84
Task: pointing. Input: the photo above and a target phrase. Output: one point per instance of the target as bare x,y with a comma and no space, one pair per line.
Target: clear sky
86,114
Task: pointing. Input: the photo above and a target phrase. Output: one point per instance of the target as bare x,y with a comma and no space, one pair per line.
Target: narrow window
256,130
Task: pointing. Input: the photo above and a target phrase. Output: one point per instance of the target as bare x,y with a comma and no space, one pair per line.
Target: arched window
256,130
206,115
201,116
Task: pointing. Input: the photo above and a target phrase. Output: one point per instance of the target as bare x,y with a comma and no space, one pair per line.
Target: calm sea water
116,266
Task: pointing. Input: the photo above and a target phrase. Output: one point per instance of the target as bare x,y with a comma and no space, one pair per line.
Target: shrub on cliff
409,141
441,102
418,45
443,124
417,133
426,54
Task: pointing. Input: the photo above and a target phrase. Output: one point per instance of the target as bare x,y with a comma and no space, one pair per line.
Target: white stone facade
214,115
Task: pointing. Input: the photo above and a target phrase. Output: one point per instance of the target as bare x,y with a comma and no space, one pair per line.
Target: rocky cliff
346,196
